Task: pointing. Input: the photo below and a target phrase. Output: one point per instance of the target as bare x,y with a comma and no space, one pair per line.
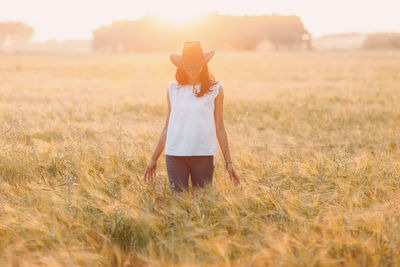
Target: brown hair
206,79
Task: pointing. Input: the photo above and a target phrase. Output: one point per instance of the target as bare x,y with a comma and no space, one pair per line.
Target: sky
75,19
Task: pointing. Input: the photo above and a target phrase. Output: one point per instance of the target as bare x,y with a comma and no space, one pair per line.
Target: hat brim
176,59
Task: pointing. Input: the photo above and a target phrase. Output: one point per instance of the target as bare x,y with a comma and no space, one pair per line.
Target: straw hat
192,56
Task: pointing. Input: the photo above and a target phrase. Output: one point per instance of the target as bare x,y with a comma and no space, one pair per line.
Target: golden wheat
315,138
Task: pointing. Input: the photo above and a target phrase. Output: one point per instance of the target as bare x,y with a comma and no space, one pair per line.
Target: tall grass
314,137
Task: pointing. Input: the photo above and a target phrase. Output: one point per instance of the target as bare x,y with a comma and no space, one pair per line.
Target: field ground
314,137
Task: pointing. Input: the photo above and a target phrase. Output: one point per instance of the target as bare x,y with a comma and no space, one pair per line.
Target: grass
314,137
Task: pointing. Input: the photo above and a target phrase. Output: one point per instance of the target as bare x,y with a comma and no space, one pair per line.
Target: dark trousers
200,168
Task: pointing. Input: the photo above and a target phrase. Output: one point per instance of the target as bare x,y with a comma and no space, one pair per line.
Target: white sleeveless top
191,127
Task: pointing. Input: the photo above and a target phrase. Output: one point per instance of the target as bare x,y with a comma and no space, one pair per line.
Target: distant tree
285,31
18,33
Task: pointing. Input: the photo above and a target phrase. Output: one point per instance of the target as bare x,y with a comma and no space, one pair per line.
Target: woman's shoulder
215,87
217,83
172,84
214,84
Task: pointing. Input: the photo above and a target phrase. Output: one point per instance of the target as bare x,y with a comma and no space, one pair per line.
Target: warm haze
75,19
314,135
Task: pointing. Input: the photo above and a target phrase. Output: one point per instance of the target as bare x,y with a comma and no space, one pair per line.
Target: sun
178,18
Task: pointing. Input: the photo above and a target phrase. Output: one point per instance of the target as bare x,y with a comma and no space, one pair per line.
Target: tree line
213,29
382,40
148,33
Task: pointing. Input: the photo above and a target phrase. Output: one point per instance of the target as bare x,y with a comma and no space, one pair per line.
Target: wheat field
314,138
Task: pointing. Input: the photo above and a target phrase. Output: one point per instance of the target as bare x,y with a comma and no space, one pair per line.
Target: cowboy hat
192,56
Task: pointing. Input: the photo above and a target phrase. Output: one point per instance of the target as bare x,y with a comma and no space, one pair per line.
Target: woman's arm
161,140
220,127
222,135
151,168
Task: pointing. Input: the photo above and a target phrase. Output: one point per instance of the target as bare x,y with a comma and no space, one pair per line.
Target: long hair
206,80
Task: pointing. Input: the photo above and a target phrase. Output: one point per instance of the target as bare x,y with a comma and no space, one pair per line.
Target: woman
193,124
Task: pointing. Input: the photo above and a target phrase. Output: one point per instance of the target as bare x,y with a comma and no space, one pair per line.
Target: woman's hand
150,171
232,173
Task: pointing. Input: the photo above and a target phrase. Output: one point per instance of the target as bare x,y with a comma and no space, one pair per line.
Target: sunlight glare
178,18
